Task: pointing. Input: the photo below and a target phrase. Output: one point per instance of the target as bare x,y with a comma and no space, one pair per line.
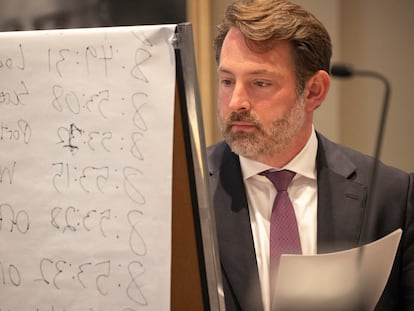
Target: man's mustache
242,117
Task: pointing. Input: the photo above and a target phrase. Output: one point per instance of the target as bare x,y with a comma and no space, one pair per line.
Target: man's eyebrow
252,72
224,70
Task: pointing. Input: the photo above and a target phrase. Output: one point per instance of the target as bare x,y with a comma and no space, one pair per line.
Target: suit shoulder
216,155
217,150
336,155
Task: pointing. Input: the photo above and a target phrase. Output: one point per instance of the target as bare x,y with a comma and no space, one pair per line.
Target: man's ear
316,89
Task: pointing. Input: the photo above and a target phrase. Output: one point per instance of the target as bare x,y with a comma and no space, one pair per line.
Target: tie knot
280,179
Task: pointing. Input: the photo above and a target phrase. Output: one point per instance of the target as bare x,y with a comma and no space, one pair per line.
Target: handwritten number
59,270
107,136
139,100
72,102
141,57
103,100
136,241
63,172
87,217
13,275
72,130
103,138
92,136
66,136
98,100
68,226
54,214
61,60
102,177
106,215
99,279
82,179
61,133
91,53
131,175
135,150
69,100
134,291
42,270
56,268
82,271
18,95
57,91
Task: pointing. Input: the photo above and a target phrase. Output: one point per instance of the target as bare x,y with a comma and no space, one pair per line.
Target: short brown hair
265,21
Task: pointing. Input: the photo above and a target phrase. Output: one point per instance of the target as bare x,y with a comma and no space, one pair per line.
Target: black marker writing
10,63
21,131
131,177
134,291
141,57
7,173
137,244
101,54
10,218
10,275
14,97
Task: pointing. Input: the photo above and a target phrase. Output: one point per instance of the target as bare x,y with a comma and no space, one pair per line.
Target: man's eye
262,83
226,82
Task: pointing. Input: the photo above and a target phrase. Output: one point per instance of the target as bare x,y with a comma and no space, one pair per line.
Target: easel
196,279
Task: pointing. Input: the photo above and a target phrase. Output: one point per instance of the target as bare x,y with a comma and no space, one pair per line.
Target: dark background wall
49,14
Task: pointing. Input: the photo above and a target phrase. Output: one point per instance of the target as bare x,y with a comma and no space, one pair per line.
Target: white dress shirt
260,196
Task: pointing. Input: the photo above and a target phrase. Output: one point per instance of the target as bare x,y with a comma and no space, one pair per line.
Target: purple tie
284,234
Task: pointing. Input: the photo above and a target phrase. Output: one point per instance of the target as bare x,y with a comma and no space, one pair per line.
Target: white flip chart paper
86,128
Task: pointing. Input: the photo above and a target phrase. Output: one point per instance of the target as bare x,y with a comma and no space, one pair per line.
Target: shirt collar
304,163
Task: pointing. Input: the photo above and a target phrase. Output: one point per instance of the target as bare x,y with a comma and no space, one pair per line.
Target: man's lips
242,126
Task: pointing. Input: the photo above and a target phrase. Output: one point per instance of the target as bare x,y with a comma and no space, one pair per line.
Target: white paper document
348,280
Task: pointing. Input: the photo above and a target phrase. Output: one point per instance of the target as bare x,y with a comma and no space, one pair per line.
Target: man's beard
260,144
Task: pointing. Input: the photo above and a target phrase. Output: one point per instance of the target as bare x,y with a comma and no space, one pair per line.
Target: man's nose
240,98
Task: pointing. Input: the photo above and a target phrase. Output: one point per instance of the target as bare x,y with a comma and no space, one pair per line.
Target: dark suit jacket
343,182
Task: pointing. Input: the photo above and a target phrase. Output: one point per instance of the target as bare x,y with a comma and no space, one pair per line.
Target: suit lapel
236,244
340,200
340,209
